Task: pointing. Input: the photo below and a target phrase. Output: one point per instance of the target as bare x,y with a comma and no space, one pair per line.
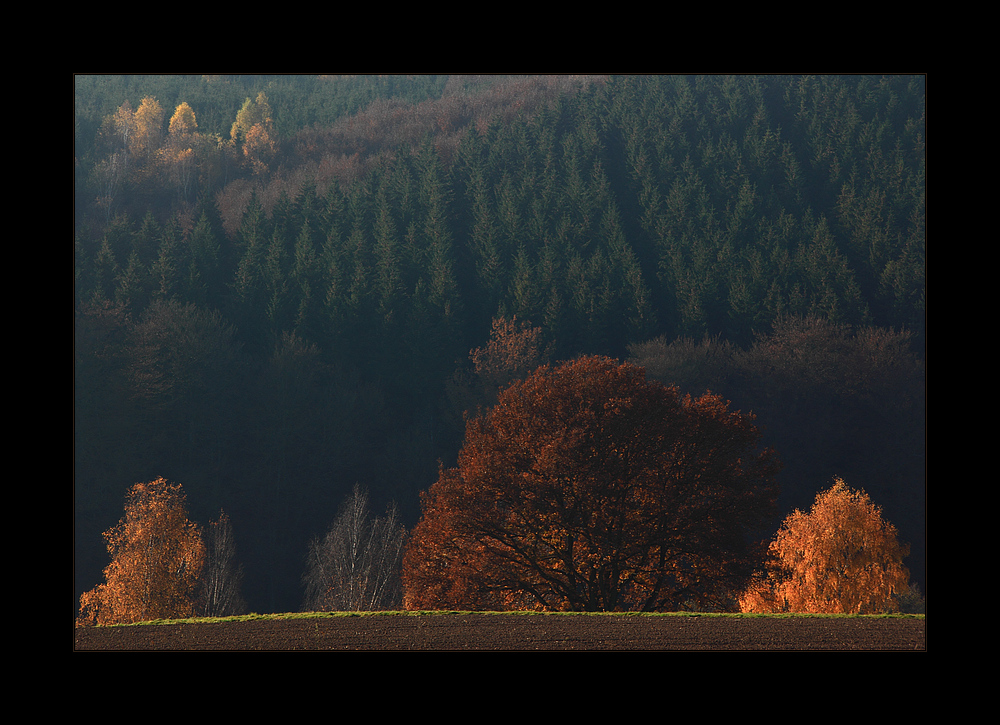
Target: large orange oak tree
588,487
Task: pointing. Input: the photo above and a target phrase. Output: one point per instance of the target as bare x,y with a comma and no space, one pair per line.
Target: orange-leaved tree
156,560
841,557
589,488
514,349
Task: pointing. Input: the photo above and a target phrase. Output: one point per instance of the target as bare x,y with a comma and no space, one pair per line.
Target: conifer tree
486,249
246,297
146,239
304,278
131,289
387,256
437,294
171,267
105,273
275,283
204,271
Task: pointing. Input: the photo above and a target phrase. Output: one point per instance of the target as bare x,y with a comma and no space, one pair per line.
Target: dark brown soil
491,632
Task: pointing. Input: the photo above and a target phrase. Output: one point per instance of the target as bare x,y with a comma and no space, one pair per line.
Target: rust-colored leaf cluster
841,557
589,488
514,350
157,556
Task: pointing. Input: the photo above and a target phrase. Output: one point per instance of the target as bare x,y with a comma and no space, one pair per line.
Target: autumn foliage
841,557
514,350
156,560
589,488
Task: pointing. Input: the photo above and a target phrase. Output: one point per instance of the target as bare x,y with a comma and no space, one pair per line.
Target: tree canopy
841,557
156,560
589,488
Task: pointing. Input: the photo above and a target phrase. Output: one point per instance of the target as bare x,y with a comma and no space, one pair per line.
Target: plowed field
492,632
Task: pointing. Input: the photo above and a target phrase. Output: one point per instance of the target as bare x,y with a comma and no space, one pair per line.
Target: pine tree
171,267
387,259
437,293
204,271
132,285
274,276
304,278
146,240
246,299
486,250
105,273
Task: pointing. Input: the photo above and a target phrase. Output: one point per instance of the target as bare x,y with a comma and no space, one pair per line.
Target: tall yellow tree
254,129
841,557
157,557
183,123
122,124
179,155
252,113
148,134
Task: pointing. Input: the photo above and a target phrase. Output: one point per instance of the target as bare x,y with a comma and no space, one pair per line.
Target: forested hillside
278,280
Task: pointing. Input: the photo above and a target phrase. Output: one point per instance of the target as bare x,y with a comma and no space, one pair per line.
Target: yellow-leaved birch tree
840,557
156,560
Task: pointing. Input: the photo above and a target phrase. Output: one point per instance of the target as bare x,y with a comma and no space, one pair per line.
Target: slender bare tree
223,577
356,565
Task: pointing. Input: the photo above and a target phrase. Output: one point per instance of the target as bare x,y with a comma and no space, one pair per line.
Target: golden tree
148,135
254,129
183,122
841,557
156,560
186,150
259,148
252,113
122,124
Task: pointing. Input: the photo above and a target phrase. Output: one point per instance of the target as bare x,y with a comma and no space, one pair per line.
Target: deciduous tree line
586,487
164,566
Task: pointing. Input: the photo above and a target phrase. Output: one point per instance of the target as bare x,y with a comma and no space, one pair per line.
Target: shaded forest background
271,318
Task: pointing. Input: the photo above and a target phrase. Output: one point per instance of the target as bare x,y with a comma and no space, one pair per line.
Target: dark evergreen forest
278,280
